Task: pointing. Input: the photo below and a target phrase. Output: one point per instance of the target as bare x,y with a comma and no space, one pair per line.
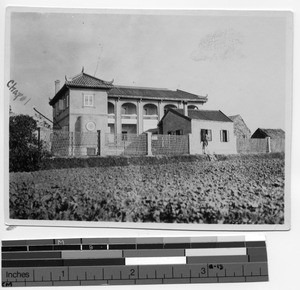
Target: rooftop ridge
68,80
84,80
178,109
106,82
185,92
137,87
270,129
209,115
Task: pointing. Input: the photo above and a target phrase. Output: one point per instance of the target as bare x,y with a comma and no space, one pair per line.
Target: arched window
128,109
192,107
170,106
150,109
110,108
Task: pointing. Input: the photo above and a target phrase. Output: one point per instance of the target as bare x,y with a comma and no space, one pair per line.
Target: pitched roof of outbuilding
272,133
205,115
234,117
240,128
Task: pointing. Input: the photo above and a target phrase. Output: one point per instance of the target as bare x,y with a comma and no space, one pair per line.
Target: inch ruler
125,261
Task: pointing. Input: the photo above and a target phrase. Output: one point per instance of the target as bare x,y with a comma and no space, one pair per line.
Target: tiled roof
207,115
84,80
153,93
272,133
87,81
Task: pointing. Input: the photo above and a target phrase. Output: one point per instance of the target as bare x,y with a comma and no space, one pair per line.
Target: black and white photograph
158,118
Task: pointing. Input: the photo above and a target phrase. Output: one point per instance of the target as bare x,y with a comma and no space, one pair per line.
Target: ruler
124,261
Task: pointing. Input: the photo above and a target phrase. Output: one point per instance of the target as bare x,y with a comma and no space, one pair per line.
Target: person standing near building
204,142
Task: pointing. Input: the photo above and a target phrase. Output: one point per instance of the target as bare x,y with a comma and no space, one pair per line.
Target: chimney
185,109
57,86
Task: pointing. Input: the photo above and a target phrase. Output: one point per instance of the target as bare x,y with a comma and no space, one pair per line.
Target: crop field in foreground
233,191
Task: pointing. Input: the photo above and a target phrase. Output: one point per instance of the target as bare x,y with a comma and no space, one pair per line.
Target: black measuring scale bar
111,261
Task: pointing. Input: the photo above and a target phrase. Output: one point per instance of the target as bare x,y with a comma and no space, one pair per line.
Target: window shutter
83,100
209,135
227,136
91,102
61,105
202,132
221,135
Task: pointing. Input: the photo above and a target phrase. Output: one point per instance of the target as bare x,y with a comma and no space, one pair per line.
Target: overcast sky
238,61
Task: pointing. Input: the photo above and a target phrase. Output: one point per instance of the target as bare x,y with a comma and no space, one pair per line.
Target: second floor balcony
129,113
129,116
150,117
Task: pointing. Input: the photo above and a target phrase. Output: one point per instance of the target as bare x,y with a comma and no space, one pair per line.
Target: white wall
215,146
81,115
150,124
96,114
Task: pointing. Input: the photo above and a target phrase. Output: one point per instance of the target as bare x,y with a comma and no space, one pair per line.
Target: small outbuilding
241,130
272,133
214,126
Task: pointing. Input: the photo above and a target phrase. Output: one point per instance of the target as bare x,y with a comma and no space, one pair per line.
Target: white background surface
283,247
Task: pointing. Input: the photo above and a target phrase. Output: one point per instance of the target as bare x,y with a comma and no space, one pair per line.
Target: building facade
87,104
215,126
241,130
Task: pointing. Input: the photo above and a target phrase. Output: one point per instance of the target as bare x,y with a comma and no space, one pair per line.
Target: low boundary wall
63,163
